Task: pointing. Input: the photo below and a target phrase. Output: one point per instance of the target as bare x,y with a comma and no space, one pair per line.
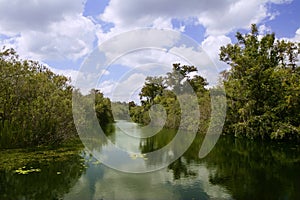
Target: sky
64,35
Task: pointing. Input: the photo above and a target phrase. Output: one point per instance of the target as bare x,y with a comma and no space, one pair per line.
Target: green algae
18,160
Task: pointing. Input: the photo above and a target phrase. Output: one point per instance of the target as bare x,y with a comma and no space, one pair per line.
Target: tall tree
262,86
182,80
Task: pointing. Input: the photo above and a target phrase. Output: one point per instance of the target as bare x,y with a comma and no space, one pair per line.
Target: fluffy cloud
144,58
124,89
212,45
239,14
17,16
137,39
47,30
58,30
218,17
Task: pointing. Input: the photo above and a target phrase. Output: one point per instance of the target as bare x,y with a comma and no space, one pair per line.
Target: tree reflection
251,169
248,169
179,167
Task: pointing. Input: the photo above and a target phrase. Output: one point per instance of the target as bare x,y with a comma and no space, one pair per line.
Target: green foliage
121,110
36,104
262,87
102,108
166,91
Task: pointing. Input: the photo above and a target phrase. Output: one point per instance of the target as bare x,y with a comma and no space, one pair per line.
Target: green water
234,169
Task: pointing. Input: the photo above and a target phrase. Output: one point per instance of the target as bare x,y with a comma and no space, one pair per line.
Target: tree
36,104
180,77
262,86
153,87
102,108
182,81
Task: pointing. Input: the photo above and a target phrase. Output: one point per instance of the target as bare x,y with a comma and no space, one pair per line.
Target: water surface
235,169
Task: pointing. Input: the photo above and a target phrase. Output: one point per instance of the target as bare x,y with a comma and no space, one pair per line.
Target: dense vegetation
120,110
36,104
165,91
262,87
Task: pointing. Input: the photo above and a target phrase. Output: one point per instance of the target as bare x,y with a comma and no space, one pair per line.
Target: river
234,169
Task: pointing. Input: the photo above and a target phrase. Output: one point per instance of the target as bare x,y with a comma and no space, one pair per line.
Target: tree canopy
165,91
262,86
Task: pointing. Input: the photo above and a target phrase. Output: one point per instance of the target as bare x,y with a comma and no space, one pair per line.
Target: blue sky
62,33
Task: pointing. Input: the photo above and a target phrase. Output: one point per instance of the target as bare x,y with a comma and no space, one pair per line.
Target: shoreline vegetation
36,104
262,92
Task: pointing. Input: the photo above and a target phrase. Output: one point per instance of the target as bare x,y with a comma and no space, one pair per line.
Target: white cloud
263,29
70,73
218,17
52,30
18,16
107,87
192,56
211,45
239,14
142,57
124,89
133,42
71,38
47,30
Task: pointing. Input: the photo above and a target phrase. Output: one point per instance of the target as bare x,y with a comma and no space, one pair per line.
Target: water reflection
124,152
234,169
250,169
101,182
183,179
